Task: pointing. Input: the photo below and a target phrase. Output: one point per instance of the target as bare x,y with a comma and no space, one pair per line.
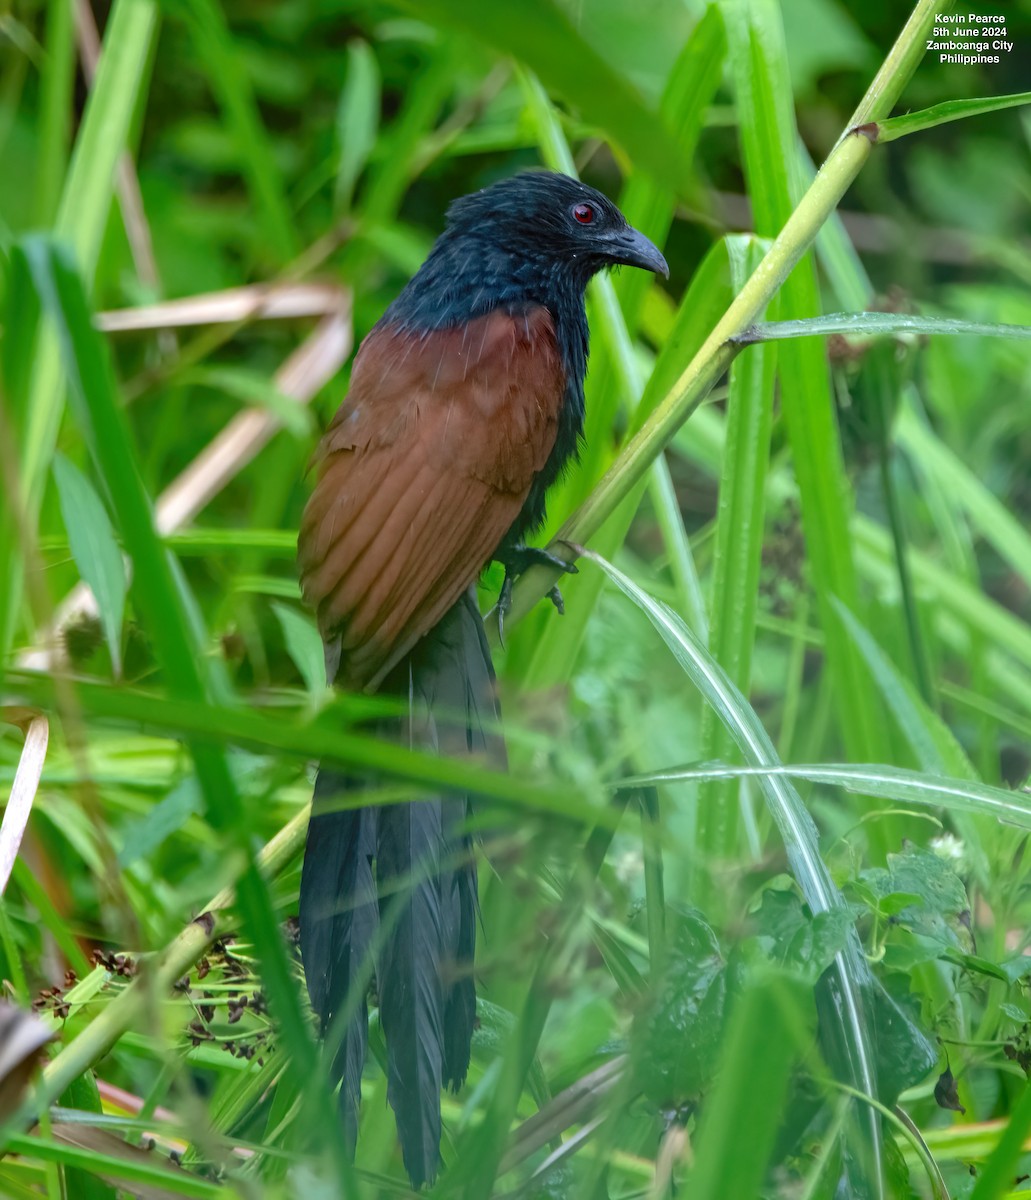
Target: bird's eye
584,213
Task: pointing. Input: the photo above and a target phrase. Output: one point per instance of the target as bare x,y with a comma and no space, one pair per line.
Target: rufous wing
422,472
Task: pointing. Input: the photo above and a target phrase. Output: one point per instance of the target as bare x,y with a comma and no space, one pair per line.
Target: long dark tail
403,876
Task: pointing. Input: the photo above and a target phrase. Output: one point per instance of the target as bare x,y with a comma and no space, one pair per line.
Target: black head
554,222
536,238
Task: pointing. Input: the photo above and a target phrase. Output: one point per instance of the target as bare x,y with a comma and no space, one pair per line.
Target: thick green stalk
832,181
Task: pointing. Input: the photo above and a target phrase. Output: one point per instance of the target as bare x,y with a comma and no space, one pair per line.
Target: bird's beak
633,249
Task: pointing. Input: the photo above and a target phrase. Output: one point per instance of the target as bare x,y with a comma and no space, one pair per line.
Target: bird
465,403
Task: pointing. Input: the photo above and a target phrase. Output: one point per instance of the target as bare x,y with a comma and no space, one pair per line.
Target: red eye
584,213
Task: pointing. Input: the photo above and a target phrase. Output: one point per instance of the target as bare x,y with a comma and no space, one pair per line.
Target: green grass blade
876,324
940,114
114,96
83,1097
160,603
688,587
95,550
55,117
130,1169
958,607
740,526
762,85
214,46
304,645
81,221
898,784
932,743
689,91
357,120
767,1033
996,1176
988,515
796,827
327,739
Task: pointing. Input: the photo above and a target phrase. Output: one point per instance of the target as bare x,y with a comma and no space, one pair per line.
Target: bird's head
554,222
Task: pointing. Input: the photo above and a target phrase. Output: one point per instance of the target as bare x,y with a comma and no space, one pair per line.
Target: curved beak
633,249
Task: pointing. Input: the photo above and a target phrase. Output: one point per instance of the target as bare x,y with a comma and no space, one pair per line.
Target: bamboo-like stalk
816,206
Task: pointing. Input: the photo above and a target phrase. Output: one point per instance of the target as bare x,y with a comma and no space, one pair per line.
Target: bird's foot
516,560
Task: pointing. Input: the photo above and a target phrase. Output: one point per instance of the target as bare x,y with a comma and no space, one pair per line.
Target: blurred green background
865,580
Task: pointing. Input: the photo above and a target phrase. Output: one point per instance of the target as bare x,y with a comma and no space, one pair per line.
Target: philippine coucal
466,402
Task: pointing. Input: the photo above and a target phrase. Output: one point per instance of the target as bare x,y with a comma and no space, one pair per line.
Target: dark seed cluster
52,999
219,1007
122,965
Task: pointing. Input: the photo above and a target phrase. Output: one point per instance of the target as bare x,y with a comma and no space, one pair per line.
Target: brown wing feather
421,474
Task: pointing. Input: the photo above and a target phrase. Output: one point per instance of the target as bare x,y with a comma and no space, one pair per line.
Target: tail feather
454,696
411,1000
338,919
460,1002
427,886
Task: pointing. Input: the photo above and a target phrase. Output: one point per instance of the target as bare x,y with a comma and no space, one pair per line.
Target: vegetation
755,913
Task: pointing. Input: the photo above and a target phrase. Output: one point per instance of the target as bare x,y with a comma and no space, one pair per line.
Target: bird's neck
462,280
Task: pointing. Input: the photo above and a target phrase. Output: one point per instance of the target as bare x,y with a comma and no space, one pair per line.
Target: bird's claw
519,559
504,604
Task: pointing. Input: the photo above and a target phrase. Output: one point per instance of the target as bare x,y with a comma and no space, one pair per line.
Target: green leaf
796,940
1016,969
254,389
890,783
83,1094
939,114
168,816
921,873
924,897
895,902
875,325
217,50
94,549
135,1167
677,1038
357,120
304,645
